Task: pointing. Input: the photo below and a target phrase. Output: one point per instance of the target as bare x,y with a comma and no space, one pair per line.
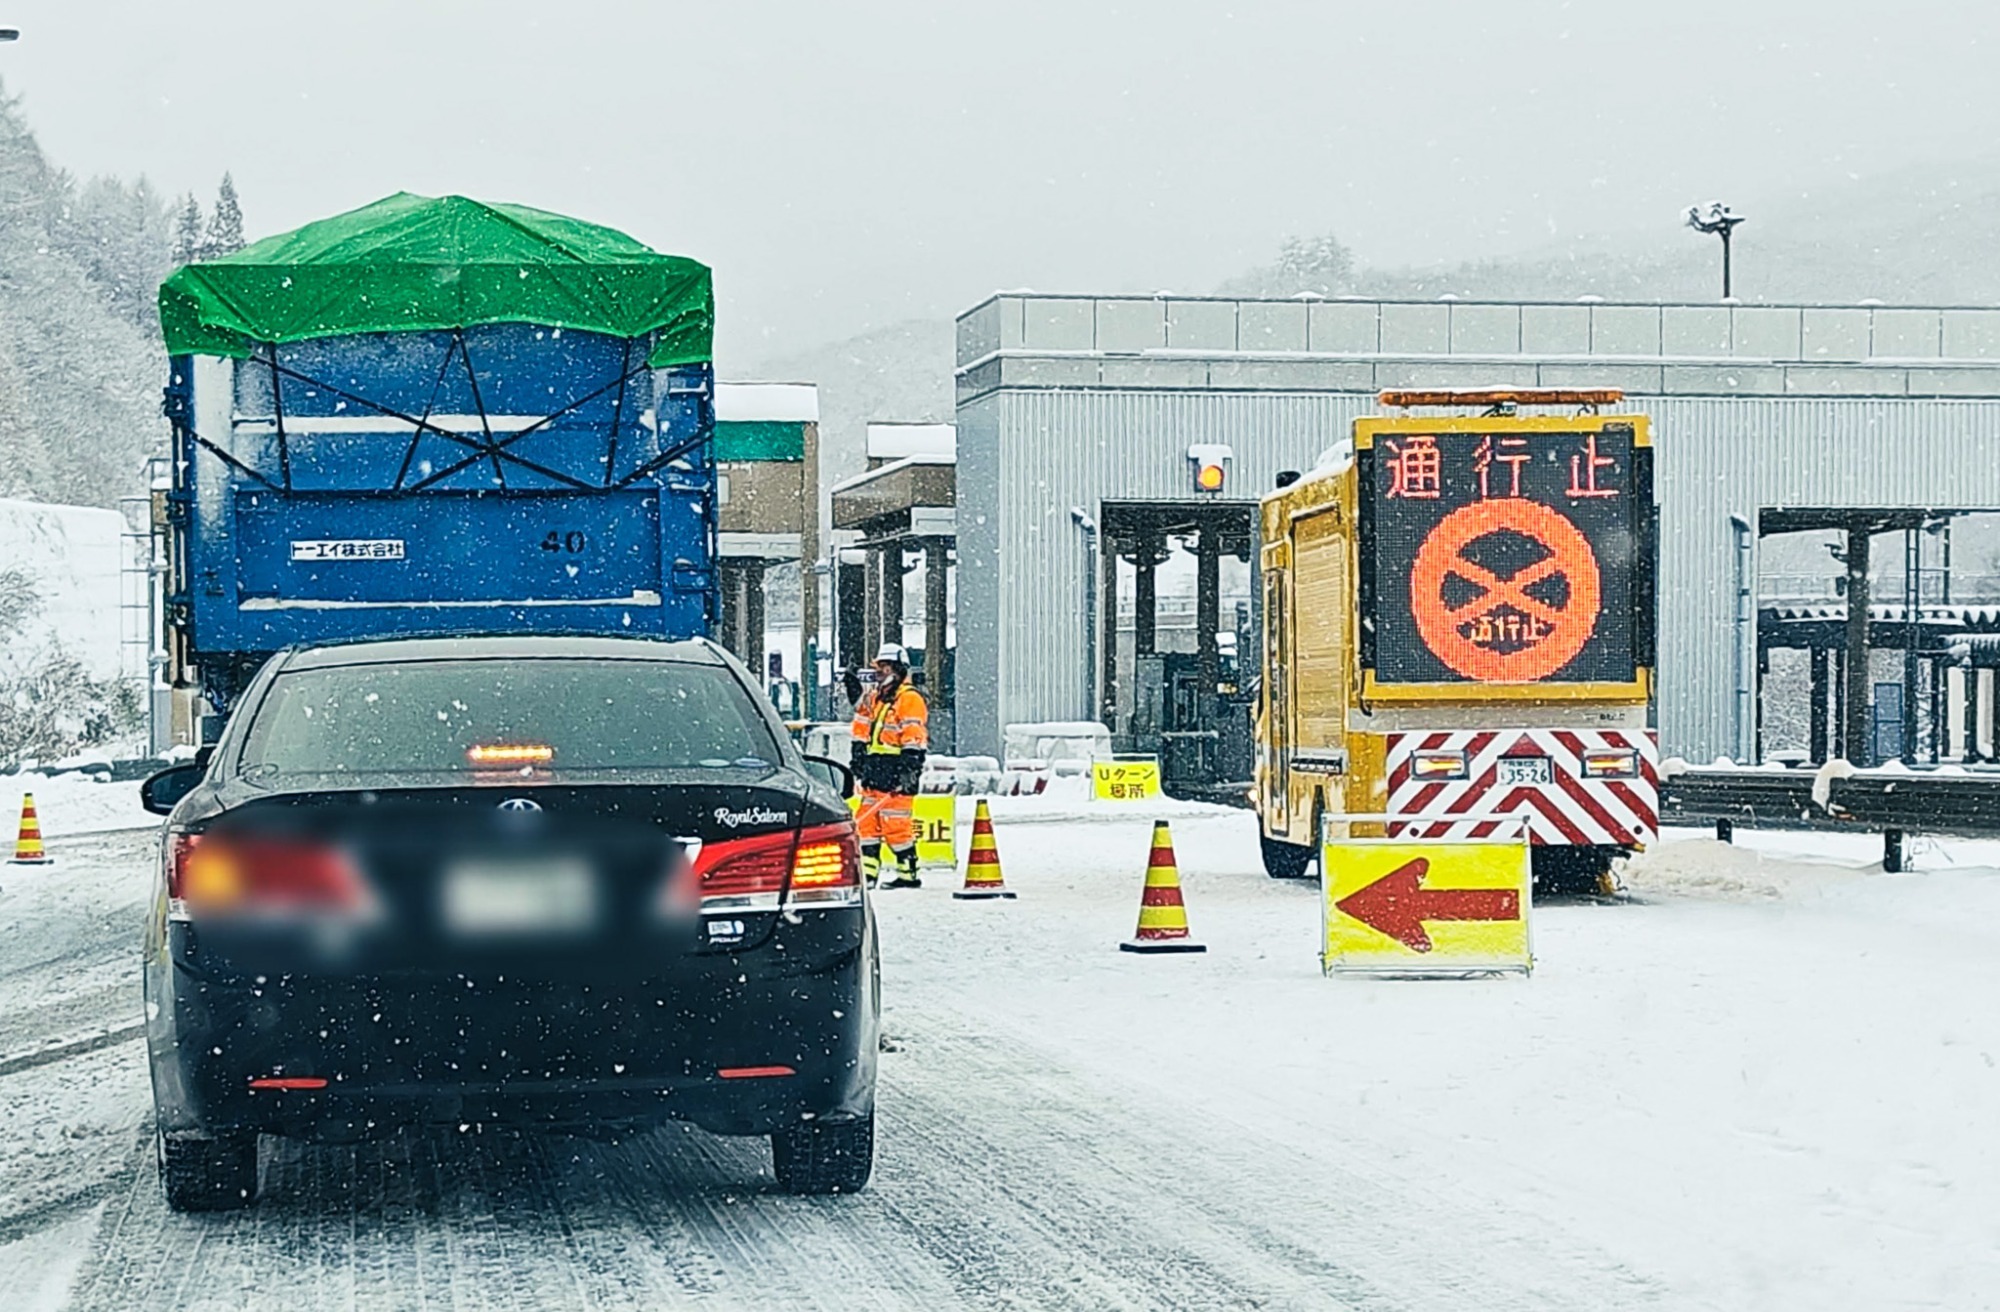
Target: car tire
825,1157
209,1175
1285,860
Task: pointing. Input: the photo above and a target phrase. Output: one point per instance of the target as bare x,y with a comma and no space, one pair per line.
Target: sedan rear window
521,716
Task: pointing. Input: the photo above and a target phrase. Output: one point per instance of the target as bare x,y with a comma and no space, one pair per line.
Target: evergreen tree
225,226
187,233
1316,264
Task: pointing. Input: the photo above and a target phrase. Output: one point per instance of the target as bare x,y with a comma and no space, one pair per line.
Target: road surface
1760,1084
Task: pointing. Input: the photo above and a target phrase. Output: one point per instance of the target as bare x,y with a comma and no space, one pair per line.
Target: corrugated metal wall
1027,456
1726,457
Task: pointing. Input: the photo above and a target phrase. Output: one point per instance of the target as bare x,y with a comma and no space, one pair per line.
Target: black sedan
577,884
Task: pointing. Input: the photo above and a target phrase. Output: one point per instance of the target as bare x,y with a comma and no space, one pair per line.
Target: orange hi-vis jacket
889,727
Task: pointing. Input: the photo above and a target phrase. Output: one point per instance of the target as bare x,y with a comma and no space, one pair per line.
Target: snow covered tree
187,233
1316,264
225,226
1320,265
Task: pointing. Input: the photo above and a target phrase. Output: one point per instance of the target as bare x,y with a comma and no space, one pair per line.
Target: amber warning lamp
1210,463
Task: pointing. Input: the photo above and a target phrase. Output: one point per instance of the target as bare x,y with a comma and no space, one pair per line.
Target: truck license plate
513,897
1524,770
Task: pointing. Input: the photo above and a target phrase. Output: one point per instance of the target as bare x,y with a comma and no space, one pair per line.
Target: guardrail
1891,803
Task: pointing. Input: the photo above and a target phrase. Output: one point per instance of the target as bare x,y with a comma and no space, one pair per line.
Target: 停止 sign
934,817
1125,781
1436,907
1506,556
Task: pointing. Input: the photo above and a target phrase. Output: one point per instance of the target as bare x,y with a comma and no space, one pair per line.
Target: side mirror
160,793
835,775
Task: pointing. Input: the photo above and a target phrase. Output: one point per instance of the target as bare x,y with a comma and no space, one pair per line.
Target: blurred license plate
1524,770
512,897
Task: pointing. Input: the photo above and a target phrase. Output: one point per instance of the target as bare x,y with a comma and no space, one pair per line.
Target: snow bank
69,804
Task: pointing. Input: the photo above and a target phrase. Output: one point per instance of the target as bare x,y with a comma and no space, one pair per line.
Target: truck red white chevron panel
1584,787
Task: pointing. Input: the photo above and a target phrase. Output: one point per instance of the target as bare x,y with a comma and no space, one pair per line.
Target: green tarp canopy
411,263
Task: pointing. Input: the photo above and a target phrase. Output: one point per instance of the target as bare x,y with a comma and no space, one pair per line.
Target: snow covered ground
1764,1081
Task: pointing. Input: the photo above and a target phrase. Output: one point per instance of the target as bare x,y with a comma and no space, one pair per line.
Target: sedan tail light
821,868
225,874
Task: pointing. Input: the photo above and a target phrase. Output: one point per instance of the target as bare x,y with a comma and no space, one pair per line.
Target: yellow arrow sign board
1435,907
935,818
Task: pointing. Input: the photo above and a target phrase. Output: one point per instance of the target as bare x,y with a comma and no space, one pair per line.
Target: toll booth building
900,518
767,487
1109,444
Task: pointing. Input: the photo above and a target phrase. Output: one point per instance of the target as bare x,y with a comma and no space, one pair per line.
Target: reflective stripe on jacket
888,727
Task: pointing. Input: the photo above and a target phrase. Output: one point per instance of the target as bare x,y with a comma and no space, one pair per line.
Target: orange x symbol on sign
1565,630
1510,591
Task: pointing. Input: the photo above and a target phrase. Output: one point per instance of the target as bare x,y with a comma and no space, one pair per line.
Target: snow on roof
883,471
789,403
890,441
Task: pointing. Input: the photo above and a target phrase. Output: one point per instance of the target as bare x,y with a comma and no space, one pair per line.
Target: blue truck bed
500,478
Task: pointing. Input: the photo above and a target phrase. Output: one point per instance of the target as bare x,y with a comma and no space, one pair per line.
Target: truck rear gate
379,429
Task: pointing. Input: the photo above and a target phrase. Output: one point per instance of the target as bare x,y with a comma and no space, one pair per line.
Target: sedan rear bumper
735,1044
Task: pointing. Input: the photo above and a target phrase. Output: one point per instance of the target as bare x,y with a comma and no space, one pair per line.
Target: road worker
891,737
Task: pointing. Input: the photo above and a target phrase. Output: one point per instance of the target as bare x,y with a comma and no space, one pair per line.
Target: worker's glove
910,771
857,751
850,683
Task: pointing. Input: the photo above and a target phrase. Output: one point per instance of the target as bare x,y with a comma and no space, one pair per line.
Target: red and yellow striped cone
28,849
1163,925
982,862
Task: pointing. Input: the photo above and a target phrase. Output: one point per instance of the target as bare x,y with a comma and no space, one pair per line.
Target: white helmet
893,653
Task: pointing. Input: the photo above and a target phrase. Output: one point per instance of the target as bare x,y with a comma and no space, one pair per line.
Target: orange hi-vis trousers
885,818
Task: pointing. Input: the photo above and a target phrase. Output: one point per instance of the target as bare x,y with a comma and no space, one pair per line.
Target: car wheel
825,1157
209,1175
1285,860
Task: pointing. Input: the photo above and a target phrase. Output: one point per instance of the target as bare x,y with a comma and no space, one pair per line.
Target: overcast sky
846,165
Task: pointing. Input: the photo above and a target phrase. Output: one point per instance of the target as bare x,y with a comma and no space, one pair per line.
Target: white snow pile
68,804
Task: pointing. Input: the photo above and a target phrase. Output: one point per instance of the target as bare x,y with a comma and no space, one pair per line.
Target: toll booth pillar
871,625
1208,609
892,594
1145,599
850,611
1858,728
742,626
1107,634
1821,678
937,617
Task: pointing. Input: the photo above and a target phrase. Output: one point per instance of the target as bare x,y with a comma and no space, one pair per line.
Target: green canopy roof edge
409,263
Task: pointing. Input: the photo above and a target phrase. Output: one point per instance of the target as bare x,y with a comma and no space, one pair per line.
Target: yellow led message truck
1459,622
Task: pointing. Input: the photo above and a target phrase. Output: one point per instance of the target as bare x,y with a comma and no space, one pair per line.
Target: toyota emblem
519,805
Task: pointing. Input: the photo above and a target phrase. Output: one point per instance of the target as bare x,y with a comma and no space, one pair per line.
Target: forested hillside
80,360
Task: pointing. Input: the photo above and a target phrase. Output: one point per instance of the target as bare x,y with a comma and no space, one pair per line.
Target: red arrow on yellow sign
1398,904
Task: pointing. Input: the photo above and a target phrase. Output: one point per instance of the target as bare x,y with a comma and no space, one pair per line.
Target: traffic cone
28,849
1163,923
982,862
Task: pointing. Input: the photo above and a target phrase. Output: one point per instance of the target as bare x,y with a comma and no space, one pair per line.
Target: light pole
1717,218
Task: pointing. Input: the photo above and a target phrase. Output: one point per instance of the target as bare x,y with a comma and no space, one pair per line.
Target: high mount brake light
752,874
510,754
256,875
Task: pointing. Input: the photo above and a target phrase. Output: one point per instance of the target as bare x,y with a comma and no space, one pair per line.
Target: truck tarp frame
412,263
